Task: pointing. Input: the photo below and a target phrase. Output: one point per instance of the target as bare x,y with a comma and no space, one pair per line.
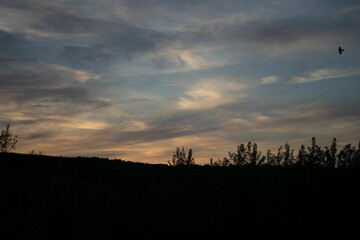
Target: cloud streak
323,74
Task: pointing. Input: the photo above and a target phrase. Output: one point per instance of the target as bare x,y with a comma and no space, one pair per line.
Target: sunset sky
136,79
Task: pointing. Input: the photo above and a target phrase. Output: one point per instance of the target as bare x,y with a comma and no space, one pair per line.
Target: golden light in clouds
80,76
211,93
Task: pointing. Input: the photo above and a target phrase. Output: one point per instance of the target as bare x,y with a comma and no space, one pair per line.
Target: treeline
314,155
249,155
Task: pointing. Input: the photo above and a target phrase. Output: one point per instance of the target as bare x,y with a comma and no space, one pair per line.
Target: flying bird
341,50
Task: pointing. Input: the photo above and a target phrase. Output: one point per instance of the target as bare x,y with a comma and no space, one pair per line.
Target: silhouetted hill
93,198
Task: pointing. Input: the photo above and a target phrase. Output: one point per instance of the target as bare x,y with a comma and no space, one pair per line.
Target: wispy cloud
322,74
38,74
81,76
270,79
211,93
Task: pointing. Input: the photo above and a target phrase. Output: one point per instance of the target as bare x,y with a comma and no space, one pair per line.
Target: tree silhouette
238,158
333,151
190,160
7,140
255,155
327,157
288,155
248,152
315,153
270,158
302,155
181,158
347,156
279,156
262,161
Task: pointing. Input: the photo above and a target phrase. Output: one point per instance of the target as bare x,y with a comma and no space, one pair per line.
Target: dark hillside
82,198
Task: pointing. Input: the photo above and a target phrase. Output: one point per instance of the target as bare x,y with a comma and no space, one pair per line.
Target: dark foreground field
90,198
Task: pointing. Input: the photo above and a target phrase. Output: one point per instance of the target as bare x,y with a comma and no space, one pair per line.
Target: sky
133,80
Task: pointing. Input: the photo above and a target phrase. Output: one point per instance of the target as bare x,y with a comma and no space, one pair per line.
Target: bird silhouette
341,50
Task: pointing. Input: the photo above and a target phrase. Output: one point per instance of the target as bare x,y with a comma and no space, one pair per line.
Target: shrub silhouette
7,140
